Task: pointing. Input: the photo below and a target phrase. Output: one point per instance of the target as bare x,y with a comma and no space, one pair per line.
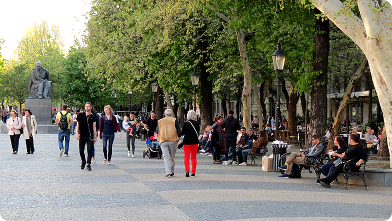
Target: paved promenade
44,186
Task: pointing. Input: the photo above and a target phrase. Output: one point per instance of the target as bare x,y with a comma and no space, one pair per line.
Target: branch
351,25
222,16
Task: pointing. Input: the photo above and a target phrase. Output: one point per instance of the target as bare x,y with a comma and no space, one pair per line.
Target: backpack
63,124
295,172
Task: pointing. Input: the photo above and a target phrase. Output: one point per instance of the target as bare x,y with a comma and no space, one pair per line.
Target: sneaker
234,162
65,155
284,176
172,174
210,155
193,174
133,155
217,162
324,184
61,152
104,161
94,162
88,167
225,162
129,153
202,150
284,167
109,163
168,175
243,164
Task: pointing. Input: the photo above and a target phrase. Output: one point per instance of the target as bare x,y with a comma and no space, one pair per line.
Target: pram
153,150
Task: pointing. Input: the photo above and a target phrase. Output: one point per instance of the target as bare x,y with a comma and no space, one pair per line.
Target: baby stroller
153,150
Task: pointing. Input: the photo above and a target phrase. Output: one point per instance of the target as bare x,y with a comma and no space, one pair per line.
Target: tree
43,43
372,34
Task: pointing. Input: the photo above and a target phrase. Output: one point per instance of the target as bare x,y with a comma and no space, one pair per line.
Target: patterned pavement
44,186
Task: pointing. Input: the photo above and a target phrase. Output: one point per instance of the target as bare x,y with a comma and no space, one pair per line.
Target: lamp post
278,58
154,88
115,98
195,82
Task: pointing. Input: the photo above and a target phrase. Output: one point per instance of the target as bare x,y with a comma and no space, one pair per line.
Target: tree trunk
169,104
205,86
246,92
292,110
258,103
159,103
303,104
224,106
181,115
346,97
262,99
318,114
383,150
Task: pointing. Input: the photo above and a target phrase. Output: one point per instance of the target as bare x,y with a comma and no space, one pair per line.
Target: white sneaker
243,164
225,162
133,155
209,155
202,150
234,162
129,153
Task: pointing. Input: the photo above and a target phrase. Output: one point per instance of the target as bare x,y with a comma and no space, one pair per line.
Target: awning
353,94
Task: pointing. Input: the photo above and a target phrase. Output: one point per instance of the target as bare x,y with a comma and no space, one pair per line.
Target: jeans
218,149
105,138
190,149
169,154
326,168
64,135
90,148
30,145
131,141
74,127
228,144
15,142
244,153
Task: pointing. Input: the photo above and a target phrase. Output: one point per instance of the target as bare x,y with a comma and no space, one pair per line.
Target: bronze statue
39,84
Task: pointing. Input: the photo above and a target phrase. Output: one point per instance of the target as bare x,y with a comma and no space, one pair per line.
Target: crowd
225,140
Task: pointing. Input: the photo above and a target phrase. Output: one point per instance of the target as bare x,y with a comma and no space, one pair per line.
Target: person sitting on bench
299,158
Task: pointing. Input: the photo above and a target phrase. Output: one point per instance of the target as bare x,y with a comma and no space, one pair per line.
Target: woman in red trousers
190,131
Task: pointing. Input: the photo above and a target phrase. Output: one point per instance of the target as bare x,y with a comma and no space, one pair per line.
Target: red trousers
190,149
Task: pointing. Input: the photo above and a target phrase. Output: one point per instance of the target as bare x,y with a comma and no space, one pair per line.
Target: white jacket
17,124
33,127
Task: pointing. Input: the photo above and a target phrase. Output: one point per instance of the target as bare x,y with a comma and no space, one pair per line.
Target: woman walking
191,141
218,135
14,124
29,124
108,125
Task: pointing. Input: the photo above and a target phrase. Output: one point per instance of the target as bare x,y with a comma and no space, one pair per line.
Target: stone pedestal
41,109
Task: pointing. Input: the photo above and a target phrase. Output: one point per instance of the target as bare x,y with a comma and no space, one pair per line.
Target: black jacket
231,125
191,137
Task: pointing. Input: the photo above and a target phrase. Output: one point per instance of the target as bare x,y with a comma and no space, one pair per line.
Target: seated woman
340,147
355,153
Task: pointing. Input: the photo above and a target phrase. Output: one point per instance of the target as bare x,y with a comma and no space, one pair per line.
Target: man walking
231,126
151,124
86,133
64,120
169,131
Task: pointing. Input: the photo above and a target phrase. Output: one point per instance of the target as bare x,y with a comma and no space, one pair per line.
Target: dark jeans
15,142
130,141
107,149
30,145
217,153
228,144
90,148
325,169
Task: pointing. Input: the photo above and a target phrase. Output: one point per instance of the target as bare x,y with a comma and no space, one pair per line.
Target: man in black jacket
231,127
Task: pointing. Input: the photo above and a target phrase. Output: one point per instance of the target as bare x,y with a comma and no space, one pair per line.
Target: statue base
41,109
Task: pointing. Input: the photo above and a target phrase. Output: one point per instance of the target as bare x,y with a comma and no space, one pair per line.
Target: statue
39,84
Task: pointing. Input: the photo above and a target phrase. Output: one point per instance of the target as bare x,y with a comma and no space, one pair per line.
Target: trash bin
278,150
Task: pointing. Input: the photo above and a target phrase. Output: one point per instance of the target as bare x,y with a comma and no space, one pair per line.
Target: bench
348,173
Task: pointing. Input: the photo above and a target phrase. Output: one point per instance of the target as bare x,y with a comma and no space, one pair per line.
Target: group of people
27,125
354,153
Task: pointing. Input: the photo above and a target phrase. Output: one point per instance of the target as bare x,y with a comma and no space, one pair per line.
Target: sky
16,16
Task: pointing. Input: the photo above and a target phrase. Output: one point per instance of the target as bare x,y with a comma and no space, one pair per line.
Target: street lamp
115,97
195,82
278,58
130,103
154,88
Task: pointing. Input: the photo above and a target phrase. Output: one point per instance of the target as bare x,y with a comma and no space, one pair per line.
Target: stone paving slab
44,186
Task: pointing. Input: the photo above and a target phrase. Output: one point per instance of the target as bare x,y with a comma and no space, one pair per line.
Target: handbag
337,162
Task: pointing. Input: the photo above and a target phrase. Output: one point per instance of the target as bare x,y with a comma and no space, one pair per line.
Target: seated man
251,140
299,158
242,143
371,139
204,138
